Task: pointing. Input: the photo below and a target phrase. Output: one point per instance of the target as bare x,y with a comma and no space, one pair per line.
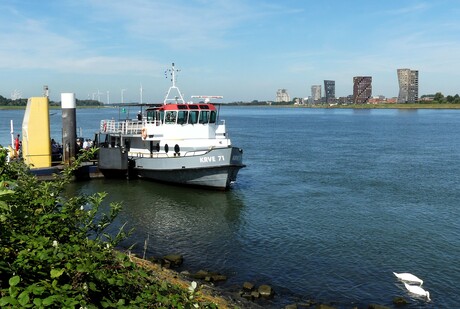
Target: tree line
23,102
440,98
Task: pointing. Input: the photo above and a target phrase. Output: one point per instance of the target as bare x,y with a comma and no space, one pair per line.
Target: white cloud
177,24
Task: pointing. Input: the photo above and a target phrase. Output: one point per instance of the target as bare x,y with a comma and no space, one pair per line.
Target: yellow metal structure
36,142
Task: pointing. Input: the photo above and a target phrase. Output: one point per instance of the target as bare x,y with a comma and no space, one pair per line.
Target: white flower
85,286
82,207
55,243
192,287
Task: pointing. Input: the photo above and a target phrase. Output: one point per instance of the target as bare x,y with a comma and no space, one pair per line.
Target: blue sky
241,49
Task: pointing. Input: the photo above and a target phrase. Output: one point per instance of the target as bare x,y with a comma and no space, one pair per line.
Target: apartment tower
329,91
408,86
362,89
282,96
316,93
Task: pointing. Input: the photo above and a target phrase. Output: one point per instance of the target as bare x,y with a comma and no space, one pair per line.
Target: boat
175,142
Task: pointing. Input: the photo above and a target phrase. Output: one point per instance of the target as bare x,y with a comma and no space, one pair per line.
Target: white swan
408,277
415,289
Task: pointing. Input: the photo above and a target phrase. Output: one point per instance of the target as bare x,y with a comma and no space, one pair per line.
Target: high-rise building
282,96
408,86
362,89
316,93
329,91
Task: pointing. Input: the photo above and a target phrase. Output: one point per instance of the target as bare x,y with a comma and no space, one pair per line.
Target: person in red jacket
17,146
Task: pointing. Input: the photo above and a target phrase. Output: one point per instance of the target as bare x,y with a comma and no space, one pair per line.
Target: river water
330,204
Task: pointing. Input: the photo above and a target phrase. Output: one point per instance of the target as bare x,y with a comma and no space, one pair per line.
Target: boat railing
167,155
133,127
122,127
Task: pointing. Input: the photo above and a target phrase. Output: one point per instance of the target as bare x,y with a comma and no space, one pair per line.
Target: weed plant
55,252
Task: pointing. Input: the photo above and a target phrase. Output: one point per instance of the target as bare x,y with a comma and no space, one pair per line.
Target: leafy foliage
9,102
23,102
54,250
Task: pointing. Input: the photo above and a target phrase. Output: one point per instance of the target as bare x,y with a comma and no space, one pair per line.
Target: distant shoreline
364,106
400,106
354,106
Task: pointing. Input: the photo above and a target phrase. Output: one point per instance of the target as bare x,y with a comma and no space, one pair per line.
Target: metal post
69,126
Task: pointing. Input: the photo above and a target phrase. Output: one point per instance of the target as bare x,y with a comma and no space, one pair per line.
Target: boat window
204,106
162,116
158,117
114,141
182,117
204,116
170,117
193,117
213,117
150,116
182,106
192,106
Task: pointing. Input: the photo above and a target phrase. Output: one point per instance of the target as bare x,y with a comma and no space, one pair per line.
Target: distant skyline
243,50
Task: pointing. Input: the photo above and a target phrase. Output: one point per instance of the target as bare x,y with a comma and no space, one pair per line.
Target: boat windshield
213,118
170,117
182,117
153,116
195,114
193,117
204,117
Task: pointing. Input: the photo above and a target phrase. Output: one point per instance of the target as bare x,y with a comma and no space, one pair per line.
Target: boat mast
178,97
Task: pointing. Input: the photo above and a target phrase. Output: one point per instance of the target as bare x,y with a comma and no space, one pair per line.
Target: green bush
54,250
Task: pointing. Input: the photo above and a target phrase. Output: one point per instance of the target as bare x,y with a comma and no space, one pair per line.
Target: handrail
129,126
123,127
169,155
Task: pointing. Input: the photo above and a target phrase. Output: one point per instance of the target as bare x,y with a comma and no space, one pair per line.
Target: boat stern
237,157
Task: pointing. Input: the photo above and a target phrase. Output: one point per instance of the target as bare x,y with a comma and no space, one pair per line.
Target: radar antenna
207,98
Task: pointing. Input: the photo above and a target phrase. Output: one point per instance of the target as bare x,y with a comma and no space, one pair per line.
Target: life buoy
104,127
144,133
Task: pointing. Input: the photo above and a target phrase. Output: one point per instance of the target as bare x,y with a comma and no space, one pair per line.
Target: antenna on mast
178,98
